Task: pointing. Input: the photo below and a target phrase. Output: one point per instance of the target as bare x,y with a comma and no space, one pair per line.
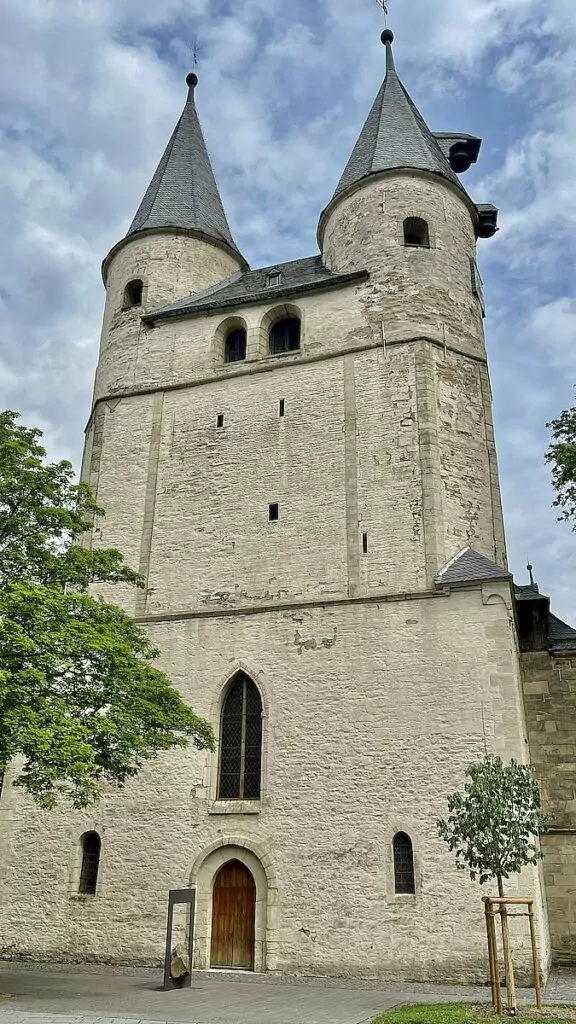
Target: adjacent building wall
550,697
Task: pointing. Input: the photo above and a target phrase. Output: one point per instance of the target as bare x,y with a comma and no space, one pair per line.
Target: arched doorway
233,917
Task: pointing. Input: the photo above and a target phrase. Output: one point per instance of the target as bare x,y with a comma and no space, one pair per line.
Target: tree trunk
508,964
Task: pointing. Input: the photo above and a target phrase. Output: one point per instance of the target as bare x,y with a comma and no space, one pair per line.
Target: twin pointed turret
395,135
183,193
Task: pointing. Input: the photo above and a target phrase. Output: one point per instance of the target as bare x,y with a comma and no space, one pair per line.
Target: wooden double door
233,918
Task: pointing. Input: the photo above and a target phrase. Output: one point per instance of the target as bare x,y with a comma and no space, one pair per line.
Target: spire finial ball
192,80
387,36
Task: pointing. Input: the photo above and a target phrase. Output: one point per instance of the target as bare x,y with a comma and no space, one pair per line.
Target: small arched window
416,232
239,776
235,346
91,846
285,336
403,864
133,294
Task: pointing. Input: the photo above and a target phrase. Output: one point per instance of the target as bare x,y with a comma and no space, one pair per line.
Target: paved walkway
57,995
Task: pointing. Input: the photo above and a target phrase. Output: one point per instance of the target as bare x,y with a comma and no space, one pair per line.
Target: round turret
401,212
179,243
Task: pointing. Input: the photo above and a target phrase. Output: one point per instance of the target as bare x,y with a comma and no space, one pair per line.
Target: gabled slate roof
183,192
470,566
530,592
561,636
395,135
296,277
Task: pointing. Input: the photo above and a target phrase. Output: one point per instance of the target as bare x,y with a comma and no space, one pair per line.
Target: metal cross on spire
196,50
384,5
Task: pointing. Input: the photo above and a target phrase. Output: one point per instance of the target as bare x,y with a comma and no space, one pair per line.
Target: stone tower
300,461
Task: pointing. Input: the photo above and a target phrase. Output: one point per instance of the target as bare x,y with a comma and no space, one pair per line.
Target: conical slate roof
395,135
183,192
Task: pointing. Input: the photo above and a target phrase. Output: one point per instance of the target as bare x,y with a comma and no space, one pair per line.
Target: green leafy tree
493,826
81,703
561,456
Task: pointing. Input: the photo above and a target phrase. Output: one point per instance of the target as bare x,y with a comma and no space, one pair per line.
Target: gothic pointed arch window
404,882
416,232
91,847
240,752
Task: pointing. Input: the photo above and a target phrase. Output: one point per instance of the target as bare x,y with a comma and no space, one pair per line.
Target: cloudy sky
90,91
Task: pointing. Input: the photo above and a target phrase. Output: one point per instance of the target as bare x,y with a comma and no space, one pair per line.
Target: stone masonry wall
361,739
388,443
550,697
171,265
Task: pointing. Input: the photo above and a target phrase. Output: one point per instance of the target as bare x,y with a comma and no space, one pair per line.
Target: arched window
241,742
403,864
285,336
235,346
416,232
90,863
133,294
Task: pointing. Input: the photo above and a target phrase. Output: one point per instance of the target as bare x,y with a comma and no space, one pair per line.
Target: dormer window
133,294
273,279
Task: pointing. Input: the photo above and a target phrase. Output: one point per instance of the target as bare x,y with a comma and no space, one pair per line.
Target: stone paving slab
74,995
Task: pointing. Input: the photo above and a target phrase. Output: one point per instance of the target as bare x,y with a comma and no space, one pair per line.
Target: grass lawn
462,1013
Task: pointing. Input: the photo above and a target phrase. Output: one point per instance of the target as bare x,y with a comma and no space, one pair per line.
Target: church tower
300,461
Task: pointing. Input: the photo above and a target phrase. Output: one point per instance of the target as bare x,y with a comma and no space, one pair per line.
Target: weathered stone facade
379,682
360,740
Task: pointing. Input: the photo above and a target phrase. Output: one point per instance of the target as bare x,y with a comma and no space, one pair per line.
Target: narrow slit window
365,543
273,512
281,407
220,421
91,846
240,767
404,883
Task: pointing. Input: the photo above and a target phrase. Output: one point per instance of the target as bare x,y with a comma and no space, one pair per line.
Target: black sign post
176,897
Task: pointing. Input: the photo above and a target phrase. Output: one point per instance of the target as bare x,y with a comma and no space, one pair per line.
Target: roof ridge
298,276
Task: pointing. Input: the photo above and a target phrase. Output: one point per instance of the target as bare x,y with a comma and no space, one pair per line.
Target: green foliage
81,703
562,457
493,826
442,1013
460,1013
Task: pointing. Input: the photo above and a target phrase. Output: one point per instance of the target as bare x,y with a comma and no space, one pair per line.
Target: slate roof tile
296,277
470,566
395,136
561,636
